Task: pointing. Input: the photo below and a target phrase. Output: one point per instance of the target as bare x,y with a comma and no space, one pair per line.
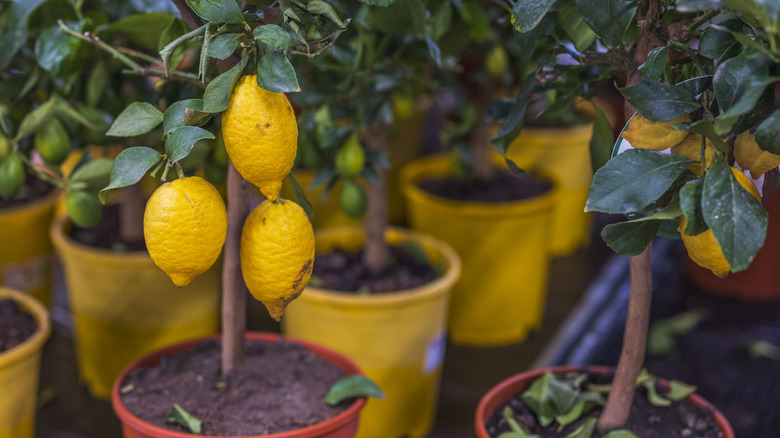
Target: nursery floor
68,410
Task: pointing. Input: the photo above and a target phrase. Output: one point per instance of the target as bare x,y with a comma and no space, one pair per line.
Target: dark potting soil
344,271
106,234
504,187
16,325
681,419
32,190
282,387
715,357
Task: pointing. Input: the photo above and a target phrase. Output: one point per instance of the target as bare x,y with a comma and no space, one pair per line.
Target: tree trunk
376,252
481,148
131,214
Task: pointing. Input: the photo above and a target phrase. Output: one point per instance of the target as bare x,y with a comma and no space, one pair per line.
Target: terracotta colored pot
343,425
511,387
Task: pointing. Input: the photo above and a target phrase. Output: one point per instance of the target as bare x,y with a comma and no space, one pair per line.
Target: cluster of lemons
185,222
642,133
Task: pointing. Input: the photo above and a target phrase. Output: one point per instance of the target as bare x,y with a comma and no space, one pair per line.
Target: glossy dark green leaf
218,11
734,77
217,94
276,74
300,197
275,36
55,51
138,118
527,14
527,42
660,102
179,416
608,18
690,202
736,218
654,67
768,133
585,430
129,167
572,23
601,141
224,45
174,114
511,127
319,7
353,386
752,91
143,29
719,45
630,238
382,3
679,390
633,180
15,18
181,140
746,41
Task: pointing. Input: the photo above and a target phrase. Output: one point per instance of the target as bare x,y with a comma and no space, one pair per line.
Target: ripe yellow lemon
261,135
752,157
277,253
185,223
647,134
702,248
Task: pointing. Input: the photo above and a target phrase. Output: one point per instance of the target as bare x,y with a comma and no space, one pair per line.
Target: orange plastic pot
513,386
343,425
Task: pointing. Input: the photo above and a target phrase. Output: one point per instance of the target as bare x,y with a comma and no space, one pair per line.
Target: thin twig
137,54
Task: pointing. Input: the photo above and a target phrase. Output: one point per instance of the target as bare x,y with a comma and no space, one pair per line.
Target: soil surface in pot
282,387
344,271
504,187
32,190
105,234
681,419
15,325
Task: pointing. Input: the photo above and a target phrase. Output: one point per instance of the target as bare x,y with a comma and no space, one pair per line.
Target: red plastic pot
513,386
343,425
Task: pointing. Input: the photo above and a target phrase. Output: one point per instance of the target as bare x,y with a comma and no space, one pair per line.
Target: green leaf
218,11
143,29
690,202
574,413
550,396
300,197
276,74
138,118
654,67
174,31
318,7
179,416
768,133
96,83
217,94
579,32
653,397
513,124
608,18
737,219
224,45
275,36
630,238
737,77
662,334
660,102
746,41
181,140
174,115
620,434
601,141
719,45
56,51
433,50
382,3
517,430
129,167
633,180
585,430
353,386
35,119
96,174
527,14
15,19
679,390
63,108
705,128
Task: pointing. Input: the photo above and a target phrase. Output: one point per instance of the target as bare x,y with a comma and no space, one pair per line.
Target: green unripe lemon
5,147
83,209
404,107
52,142
497,62
350,159
11,176
353,199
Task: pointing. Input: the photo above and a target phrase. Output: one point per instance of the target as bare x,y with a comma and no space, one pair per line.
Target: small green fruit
404,107
83,209
11,176
52,142
350,159
5,147
497,62
353,199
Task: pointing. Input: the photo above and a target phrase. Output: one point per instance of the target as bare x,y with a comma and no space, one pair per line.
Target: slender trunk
131,214
233,287
632,355
376,252
481,149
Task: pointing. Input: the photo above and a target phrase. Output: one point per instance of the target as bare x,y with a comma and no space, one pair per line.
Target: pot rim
337,359
481,414
425,291
42,203
34,343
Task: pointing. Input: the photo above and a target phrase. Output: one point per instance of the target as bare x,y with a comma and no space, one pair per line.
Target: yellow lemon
277,253
702,248
647,134
753,158
185,223
261,135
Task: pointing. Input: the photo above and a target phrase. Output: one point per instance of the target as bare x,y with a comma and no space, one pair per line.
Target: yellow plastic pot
327,207
124,307
398,339
26,252
504,248
19,370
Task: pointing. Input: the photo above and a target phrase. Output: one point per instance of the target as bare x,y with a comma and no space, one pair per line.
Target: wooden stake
131,214
376,253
